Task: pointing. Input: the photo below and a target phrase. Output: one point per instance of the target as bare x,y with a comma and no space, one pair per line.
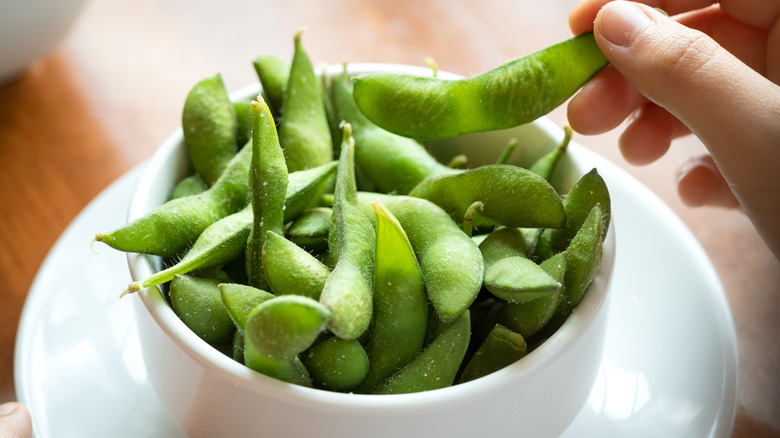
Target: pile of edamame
333,253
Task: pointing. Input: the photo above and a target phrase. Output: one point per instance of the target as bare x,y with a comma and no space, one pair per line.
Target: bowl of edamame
300,271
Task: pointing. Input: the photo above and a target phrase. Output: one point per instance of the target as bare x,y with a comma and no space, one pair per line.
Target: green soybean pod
437,365
171,228
226,239
587,192
191,185
583,258
209,126
284,326
304,132
546,165
244,119
512,94
394,164
400,319
239,301
451,263
291,371
310,230
291,270
268,181
198,303
529,317
218,244
511,196
273,73
348,289
501,348
238,347
336,364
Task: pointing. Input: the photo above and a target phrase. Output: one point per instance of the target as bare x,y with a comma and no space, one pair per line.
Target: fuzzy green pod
527,318
284,326
517,92
244,119
209,126
226,239
501,348
583,258
291,371
304,132
198,303
310,231
273,73
240,300
268,181
452,265
589,190
336,364
400,303
394,164
546,164
171,228
437,365
348,290
191,185
291,270
511,196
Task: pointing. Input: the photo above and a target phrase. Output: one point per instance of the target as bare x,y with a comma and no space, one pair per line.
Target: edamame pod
198,303
209,126
501,348
291,270
394,164
273,73
583,258
227,238
437,366
400,304
244,119
239,301
267,189
545,166
512,196
347,292
529,317
587,192
310,230
336,364
304,132
191,185
284,326
171,228
291,371
512,94
451,263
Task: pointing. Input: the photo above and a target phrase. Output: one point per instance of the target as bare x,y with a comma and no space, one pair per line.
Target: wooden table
113,91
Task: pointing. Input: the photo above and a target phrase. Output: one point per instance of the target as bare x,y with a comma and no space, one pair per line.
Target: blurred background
112,90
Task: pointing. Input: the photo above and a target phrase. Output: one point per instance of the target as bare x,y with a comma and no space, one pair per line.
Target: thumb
15,421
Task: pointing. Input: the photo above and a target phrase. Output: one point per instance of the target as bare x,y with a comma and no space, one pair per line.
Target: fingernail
7,408
620,22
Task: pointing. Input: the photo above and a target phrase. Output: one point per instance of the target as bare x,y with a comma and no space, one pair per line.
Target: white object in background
31,29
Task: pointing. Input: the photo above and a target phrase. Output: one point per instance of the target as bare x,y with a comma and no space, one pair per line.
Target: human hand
15,421
711,71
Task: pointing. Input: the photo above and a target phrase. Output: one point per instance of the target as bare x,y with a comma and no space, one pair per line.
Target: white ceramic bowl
30,29
208,394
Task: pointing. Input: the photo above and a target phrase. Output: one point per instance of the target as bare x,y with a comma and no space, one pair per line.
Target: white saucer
669,367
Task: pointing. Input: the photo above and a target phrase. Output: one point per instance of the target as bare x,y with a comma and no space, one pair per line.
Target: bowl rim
572,329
